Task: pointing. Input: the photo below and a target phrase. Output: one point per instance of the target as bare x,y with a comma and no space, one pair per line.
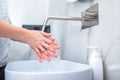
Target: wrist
21,35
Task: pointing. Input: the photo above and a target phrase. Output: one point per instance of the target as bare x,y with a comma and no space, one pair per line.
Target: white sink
54,70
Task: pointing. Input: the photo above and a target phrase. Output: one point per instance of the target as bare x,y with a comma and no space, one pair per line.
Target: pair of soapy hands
43,44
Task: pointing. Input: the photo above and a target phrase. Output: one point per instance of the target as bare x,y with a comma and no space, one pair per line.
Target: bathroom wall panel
75,42
27,11
107,36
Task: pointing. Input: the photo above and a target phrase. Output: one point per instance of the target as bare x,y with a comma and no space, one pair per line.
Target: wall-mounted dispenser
89,18
95,60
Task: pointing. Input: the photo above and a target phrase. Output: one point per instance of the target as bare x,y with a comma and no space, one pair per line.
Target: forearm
12,32
41,42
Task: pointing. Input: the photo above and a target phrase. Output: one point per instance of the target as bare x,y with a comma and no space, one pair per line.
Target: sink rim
88,67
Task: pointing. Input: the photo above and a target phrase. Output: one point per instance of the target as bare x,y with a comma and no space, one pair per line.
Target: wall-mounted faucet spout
60,18
88,18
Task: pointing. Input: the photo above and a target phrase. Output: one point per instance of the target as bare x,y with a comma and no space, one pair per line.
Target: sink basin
54,70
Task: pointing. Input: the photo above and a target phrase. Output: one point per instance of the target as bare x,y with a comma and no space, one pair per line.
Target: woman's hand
50,53
44,46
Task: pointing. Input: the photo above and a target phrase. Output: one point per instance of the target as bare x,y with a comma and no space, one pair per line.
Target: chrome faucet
89,18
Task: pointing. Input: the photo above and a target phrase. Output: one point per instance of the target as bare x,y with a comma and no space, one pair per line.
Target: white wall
27,11
107,36
75,42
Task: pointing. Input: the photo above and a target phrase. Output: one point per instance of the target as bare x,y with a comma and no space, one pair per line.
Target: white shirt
4,43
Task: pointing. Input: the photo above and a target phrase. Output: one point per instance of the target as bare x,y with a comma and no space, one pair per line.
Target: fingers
44,55
52,54
48,41
51,50
38,54
55,46
45,34
53,43
47,54
41,48
51,46
44,46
